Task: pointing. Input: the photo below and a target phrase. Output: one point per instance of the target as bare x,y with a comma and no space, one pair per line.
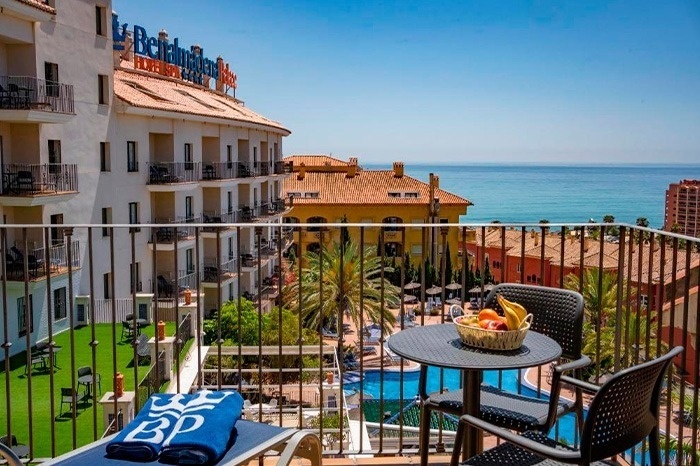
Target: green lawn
42,392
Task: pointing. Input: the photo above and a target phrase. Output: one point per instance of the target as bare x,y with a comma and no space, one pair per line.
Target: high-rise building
683,207
103,125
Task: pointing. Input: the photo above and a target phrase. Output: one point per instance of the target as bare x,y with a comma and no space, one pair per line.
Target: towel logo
175,415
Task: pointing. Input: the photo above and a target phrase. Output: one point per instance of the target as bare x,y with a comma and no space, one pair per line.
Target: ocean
528,193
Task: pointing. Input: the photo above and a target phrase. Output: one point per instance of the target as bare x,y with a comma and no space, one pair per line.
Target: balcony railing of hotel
219,219
225,170
180,229
19,179
173,172
214,272
28,93
648,291
40,262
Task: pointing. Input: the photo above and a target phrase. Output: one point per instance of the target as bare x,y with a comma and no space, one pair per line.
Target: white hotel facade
85,138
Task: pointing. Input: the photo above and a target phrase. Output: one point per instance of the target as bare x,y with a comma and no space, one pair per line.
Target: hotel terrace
127,190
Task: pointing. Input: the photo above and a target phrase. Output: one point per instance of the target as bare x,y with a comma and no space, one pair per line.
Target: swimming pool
564,430
371,385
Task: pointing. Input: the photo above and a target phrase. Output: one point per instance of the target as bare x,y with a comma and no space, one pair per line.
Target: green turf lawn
42,393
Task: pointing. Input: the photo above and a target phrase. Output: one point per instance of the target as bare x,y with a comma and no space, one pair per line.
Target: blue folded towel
203,431
142,438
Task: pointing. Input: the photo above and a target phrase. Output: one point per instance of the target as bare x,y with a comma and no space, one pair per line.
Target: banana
512,319
515,307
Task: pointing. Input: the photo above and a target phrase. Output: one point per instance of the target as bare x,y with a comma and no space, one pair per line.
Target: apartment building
98,125
327,189
682,213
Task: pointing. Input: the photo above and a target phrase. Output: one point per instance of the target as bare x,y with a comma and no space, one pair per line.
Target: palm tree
355,290
600,304
642,222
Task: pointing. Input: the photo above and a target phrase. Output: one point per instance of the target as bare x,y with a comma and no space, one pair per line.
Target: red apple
497,325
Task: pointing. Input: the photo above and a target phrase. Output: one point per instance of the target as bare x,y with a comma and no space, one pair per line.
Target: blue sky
462,81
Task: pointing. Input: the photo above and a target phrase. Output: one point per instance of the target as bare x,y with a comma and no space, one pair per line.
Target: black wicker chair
558,314
624,411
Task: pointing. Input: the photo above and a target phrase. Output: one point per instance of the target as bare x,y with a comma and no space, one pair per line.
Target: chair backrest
626,410
67,392
25,175
85,370
12,441
142,347
556,313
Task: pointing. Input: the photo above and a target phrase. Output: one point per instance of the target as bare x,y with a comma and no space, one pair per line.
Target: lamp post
433,210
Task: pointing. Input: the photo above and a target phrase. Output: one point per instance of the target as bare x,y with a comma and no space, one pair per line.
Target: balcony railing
173,172
215,218
41,262
224,271
28,93
20,179
649,291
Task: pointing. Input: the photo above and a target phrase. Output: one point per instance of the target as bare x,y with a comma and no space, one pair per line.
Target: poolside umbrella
409,298
411,286
453,286
433,290
454,301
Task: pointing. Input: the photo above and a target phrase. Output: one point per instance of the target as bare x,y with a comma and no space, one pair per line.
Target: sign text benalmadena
169,59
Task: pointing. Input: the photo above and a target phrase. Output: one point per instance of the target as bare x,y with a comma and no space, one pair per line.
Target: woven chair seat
509,410
507,453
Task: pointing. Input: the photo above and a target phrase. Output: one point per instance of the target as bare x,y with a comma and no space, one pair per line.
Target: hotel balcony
223,173
181,234
648,285
25,185
24,99
218,221
39,263
172,176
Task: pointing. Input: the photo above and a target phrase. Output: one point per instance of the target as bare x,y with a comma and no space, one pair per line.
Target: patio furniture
86,378
38,358
70,397
558,314
623,413
252,440
19,449
9,456
165,288
127,330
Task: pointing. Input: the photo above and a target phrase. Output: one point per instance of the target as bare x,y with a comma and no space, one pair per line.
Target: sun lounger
252,440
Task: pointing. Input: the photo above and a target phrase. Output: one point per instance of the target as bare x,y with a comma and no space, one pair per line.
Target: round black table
88,380
440,345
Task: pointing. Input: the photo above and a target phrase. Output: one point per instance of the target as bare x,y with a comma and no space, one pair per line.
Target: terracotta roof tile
591,255
39,5
146,90
315,160
366,187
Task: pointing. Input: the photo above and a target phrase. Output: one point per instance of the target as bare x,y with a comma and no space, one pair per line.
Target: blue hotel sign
187,64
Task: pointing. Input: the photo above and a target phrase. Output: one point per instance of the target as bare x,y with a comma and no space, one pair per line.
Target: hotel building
326,189
95,130
682,213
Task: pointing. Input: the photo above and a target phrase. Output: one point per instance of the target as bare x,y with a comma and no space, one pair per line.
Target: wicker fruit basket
494,340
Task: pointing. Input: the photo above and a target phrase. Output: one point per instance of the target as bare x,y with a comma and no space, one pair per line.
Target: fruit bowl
494,340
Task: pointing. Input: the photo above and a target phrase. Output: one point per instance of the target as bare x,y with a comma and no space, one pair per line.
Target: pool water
564,430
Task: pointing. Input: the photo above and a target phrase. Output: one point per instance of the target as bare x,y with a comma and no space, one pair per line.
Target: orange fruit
484,323
488,314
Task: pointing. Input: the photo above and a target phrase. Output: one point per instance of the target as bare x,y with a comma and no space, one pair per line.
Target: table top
86,378
139,322
440,345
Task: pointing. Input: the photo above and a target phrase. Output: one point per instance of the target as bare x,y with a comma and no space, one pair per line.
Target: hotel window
644,300
54,156
105,162
229,156
229,201
231,255
394,194
189,215
134,215
102,89
189,260
100,20
416,250
51,77
106,219
56,232
107,285
132,161
59,303
134,277
517,268
189,165
411,195
22,316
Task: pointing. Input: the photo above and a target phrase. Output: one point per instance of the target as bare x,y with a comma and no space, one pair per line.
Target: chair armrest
589,387
580,363
565,456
